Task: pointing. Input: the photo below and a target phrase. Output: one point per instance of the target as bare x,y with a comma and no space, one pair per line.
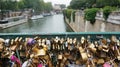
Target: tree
9,5
103,3
90,3
80,4
48,6
77,4
37,5
28,3
21,4
90,14
63,6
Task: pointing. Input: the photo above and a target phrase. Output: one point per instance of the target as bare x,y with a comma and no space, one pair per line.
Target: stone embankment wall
81,25
12,22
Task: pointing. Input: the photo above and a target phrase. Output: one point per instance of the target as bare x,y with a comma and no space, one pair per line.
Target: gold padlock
60,57
84,57
100,61
1,44
118,57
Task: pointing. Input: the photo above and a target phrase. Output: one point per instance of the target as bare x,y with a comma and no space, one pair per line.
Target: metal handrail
59,33
78,35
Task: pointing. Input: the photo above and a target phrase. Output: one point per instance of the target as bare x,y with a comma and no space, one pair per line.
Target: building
59,7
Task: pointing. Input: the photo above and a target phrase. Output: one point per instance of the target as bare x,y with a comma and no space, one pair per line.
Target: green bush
73,14
107,10
67,13
64,13
90,14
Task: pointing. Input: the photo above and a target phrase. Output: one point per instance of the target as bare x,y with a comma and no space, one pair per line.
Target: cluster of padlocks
59,52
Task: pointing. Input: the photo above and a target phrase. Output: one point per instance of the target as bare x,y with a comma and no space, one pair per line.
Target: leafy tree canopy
37,5
82,4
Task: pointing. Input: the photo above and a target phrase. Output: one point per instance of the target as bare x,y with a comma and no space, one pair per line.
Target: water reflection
49,24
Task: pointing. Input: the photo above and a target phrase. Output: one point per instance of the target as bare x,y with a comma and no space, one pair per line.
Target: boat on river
3,21
36,17
47,14
12,21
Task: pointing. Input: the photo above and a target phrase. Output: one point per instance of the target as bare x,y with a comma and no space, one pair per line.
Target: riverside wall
81,25
14,23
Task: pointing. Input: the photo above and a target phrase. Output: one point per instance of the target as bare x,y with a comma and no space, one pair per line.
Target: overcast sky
67,2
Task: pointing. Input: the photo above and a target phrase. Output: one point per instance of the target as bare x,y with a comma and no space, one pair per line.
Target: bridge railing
78,35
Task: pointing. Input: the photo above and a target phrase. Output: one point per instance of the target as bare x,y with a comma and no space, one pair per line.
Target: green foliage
90,14
73,14
21,4
107,10
77,4
8,5
67,13
103,3
82,4
91,3
37,5
48,6
64,13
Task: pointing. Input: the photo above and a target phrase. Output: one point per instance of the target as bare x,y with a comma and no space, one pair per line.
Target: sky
67,2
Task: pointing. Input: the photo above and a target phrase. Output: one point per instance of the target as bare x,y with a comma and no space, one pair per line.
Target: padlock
16,39
118,57
30,41
105,48
84,57
92,48
118,43
53,47
14,44
113,39
100,61
82,40
81,50
104,41
58,47
20,39
60,57
7,42
107,64
39,52
1,44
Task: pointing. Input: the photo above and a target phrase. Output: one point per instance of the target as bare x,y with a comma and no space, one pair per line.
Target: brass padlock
1,44
60,57
118,57
14,44
84,57
105,48
100,61
82,40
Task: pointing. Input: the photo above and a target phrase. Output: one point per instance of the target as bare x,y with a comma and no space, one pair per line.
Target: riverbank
13,23
70,25
81,25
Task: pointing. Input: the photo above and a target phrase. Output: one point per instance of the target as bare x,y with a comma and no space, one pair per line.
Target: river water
50,24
